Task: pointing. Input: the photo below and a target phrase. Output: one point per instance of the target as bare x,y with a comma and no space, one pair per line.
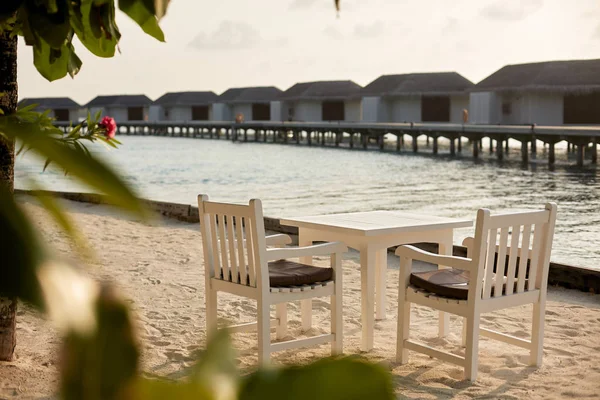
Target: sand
159,268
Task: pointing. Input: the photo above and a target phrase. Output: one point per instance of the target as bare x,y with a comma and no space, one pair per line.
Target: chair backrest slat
216,254
489,265
501,262
251,259
525,258
223,241
241,243
534,267
233,242
232,237
513,254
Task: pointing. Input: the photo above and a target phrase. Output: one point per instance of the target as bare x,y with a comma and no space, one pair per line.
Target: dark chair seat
289,273
451,283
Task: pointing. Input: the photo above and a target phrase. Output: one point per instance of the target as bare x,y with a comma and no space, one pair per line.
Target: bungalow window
435,109
506,108
200,113
61,114
581,108
135,113
333,111
261,112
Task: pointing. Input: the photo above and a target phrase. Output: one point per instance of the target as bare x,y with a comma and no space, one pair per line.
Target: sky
219,44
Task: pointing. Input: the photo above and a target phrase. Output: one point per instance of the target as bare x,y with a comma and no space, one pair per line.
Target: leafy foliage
49,26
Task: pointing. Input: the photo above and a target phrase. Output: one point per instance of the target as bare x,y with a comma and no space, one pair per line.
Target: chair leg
264,332
537,335
403,327
403,331
472,349
281,314
337,319
464,332
211,312
306,311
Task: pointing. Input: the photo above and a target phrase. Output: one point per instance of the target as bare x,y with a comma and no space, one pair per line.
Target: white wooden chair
487,288
237,261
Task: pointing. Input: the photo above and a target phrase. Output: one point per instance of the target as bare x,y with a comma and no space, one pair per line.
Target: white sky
218,44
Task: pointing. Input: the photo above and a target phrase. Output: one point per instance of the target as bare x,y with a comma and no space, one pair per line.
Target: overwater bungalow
122,108
543,93
253,103
62,109
321,101
184,106
417,97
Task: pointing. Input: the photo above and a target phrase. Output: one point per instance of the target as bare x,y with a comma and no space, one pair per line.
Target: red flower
110,127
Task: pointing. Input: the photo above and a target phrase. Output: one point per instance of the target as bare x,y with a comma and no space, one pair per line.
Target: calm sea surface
298,180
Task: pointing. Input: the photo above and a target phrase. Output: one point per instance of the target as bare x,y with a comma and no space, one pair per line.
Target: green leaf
329,379
51,63
138,11
74,63
95,27
88,170
104,363
54,28
21,250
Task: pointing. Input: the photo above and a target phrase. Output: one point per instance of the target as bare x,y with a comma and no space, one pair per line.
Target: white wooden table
371,233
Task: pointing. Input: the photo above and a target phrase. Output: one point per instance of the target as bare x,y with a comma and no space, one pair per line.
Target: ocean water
299,180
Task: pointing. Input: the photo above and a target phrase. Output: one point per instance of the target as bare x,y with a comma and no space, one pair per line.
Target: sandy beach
159,268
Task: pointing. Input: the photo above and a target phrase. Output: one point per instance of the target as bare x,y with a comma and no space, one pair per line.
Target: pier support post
322,138
227,133
551,154
524,151
415,145
580,154
365,140
398,142
452,147
309,137
427,143
435,145
380,140
568,147
245,135
594,151
499,149
351,140
459,142
533,145
476,144
506,146
491,146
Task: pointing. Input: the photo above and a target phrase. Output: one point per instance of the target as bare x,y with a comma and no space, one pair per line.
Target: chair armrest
316,250
414,253
277,240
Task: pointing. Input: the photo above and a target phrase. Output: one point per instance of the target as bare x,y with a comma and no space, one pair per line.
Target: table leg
446,246
380,278
367,286
305,305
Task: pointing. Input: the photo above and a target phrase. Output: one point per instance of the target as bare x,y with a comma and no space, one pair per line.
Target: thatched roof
261,94
557,76
49,103
435,83
322,90
125,100
186,99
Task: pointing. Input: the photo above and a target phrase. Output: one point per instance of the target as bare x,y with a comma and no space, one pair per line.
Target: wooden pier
361,135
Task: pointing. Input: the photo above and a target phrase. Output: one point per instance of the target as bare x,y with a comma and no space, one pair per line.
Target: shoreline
567,276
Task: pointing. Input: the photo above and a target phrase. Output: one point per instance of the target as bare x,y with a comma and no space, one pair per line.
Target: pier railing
583,139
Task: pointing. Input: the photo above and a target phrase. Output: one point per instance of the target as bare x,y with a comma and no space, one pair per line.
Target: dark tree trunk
8,104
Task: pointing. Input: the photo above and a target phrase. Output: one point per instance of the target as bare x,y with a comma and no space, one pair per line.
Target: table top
375,223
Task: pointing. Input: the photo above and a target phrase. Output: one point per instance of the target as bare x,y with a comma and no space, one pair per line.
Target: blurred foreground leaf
21,252
329,379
